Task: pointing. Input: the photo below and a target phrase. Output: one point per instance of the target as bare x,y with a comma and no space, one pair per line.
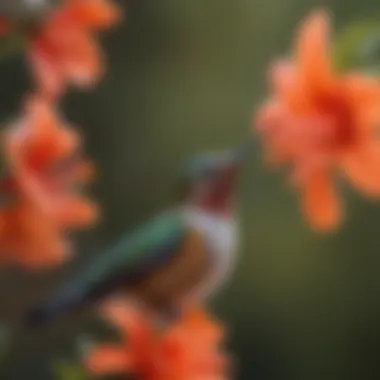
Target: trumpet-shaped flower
61,43
40,187
321,123
64,50
188,350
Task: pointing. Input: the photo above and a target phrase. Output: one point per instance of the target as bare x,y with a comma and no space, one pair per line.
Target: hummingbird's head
209,180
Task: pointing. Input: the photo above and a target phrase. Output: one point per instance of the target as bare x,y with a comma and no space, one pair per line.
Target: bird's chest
220,234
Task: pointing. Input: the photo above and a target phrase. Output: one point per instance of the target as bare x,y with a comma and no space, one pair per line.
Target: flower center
339,130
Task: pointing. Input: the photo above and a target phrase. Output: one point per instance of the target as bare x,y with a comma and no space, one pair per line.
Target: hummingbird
179,258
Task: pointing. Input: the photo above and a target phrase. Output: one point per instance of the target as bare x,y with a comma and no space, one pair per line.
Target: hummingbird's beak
230,168
240,154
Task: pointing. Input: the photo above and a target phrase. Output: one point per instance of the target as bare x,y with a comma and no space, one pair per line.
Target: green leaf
358,45
66,370
12,44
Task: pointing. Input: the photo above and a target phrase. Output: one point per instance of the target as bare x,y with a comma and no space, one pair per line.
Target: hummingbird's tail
64,302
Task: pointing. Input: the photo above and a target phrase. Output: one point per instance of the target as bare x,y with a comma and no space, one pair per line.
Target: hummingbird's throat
218,197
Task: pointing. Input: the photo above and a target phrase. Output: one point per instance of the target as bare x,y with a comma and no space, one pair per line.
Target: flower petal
122,315
288,87
84,172
320,202
362,89
82,60
73,212
273,122
47,73
362,168
33,240
96,14
110,359
42,137
364,97
312,52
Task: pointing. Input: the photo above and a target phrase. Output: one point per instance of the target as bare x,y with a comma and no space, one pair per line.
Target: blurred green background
185,76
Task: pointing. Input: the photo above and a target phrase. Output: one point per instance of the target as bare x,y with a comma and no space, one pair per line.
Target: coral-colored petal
364,97
74,212
368,120
312,50
47,73
127,319
362,167
34,192
98,14
320,202
361,89
65,211
45,138
40,113
210,329
84,172
183,351
57,144
32,240
288,137
109,359
82,61
288,87
43,255
274,123
117,312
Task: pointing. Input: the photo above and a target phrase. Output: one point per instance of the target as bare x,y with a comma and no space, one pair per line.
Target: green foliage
358,46
68,370
12,44
73,369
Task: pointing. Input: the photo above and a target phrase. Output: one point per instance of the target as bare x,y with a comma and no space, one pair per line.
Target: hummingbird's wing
124,265
136,255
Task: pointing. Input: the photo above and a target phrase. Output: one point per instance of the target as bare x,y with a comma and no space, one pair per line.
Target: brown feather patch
172,281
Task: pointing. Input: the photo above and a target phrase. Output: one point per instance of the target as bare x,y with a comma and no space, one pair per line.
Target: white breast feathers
221,240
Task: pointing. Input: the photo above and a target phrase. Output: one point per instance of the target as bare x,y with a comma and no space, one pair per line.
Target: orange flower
319,122
63,49
40,187
28,238
189,350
